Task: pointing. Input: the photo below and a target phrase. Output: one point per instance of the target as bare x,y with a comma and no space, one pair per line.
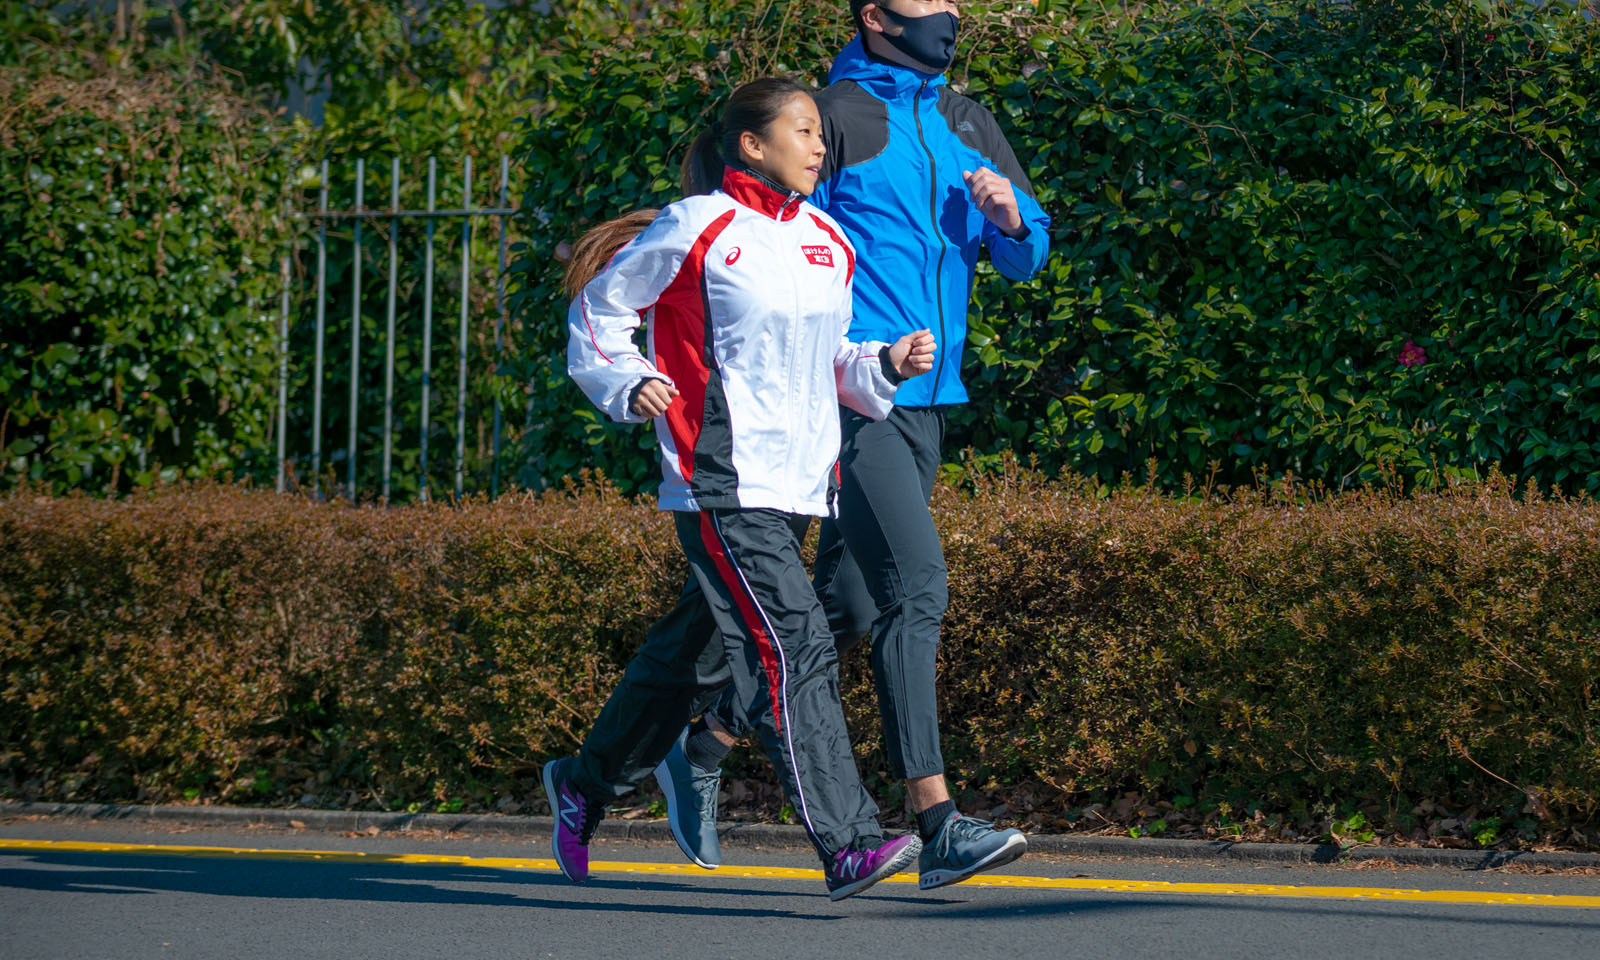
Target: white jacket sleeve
858,371
601,354
857,368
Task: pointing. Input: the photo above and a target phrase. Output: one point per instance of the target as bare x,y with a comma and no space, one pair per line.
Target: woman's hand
653,397
912,354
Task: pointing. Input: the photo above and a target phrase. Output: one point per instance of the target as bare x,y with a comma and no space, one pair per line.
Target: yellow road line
1383,894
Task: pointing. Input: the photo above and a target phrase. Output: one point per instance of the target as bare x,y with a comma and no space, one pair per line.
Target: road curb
537,829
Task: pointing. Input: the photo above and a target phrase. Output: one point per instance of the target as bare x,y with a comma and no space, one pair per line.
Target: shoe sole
1013,850
555,847
669,787
900,862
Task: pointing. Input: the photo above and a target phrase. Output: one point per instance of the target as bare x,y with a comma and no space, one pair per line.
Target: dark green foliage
1315,240
140,230
1298,651
1310,238
450,82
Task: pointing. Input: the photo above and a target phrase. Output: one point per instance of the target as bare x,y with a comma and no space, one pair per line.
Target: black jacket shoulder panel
855,126
976,127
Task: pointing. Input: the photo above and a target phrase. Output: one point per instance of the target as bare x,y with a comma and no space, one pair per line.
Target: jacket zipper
795,409
933,221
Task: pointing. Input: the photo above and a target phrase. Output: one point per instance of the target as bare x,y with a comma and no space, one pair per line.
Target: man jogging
920,178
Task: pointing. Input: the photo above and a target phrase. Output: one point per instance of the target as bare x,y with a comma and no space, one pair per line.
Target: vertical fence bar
427,334
283,371
461,348
355,328
388,348
499,323
322,290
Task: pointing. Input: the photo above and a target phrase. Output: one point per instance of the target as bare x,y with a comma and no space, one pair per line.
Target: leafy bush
140,228
225,631
1290,237
1276,652
1364,236
451,81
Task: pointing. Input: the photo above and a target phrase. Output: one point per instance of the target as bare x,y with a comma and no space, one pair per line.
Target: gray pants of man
748,621
880,570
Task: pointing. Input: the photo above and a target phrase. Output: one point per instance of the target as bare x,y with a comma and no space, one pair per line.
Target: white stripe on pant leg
783,683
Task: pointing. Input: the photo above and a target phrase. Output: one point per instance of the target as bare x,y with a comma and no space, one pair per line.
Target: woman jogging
747,293
921,178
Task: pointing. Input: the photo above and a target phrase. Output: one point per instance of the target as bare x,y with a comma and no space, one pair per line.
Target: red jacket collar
758,193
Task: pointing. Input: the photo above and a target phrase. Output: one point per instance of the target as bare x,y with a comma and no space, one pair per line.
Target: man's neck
881,50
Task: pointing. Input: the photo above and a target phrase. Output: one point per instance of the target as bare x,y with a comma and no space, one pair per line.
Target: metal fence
392,216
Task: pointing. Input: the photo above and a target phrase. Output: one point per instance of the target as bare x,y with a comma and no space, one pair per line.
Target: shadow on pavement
386,883
121,874
1078,902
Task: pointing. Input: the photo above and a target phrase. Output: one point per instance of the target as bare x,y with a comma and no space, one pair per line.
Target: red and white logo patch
821,256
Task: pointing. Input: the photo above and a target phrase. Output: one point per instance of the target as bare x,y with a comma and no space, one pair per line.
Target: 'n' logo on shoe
569,810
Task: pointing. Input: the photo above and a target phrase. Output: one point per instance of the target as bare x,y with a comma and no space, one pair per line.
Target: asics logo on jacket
898,141
749,332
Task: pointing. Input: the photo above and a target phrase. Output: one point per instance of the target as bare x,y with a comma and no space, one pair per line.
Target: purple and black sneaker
576,817
864,863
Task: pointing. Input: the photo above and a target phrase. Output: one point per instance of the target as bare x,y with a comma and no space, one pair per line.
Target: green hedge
140,230
451,84
1247,664
1312,238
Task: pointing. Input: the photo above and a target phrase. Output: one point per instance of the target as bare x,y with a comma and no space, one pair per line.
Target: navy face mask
929,40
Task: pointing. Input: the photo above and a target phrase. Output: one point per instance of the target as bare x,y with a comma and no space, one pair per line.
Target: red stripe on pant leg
752,616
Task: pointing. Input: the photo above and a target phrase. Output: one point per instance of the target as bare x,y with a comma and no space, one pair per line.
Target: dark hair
753,107
598,245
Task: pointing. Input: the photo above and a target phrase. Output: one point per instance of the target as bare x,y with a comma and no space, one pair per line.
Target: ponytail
752,108
597,246
702,167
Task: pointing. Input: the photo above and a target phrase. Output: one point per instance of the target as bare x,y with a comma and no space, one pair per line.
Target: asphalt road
163,901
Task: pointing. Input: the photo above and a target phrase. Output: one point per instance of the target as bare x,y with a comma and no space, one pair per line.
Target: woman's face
790,151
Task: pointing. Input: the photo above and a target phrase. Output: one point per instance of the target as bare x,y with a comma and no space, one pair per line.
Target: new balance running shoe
965,846
859,866
691,805
576,817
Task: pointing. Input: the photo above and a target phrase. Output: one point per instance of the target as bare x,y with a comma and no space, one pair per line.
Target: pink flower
1411,355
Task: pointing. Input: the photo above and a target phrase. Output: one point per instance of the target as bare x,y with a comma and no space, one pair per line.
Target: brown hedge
1269,660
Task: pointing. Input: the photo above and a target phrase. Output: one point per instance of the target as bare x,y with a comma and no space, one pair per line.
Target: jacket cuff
889,372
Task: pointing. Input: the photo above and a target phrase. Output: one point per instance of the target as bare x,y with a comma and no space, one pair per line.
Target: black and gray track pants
748,621
880,571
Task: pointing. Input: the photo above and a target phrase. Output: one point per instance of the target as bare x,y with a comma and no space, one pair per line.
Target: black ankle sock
930,820
703,748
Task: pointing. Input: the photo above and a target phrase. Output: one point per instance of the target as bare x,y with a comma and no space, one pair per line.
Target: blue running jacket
898,141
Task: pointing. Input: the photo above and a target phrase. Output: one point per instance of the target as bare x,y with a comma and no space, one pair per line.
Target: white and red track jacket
747,294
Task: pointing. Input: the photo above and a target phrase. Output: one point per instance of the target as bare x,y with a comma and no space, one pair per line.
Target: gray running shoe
691,805
965,846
